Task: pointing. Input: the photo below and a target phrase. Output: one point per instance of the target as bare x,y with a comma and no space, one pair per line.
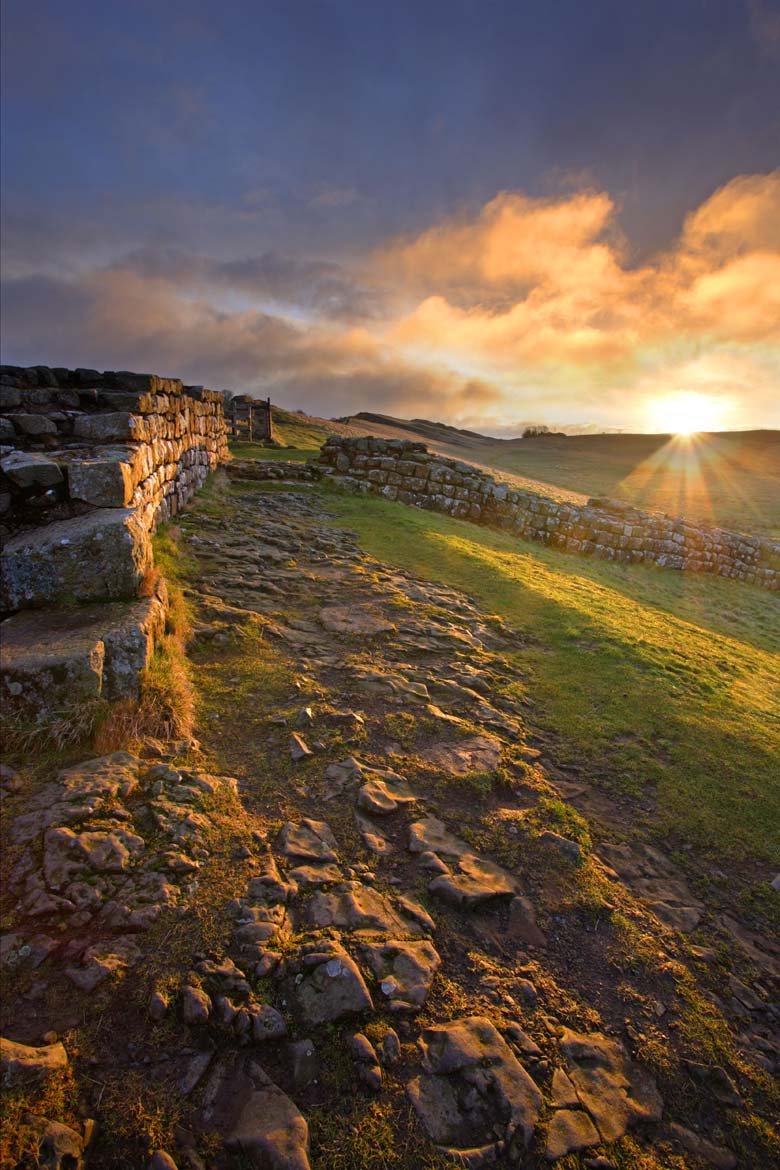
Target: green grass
647,682
245,450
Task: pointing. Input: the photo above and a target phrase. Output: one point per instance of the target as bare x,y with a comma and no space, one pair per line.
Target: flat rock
358,907
564,1095
380,797
373,837
570,1130
54,659
357,621
311,840
717,1156
27,469
474,1098
432,834
330,988
102,556
616,1092
472,882
22,1064
480,753
269,1128
404,970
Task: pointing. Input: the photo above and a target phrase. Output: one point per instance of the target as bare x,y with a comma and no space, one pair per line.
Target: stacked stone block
90,463
402,470
75,439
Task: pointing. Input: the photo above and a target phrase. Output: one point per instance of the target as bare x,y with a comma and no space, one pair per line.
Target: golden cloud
530,288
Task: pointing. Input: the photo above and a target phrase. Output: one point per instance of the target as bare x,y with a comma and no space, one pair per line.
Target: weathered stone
310,839
101,556
158,1007
357,621
432,834
267,1024
709,1152
59,1146
379,797
569,1131
355,906
475,1099
405,971
473,882
106,480
107,428
27,469
102,961
34,424
67,853
563,1095
330,988
269,1129
56,659
196,1005
21,1064
616,1092
480,753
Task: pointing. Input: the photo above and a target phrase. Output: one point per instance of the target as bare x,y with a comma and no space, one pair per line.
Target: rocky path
357,924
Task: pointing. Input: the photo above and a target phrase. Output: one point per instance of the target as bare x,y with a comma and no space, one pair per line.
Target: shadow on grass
642,681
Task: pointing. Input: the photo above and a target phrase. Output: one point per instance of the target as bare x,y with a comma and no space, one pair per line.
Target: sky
486,212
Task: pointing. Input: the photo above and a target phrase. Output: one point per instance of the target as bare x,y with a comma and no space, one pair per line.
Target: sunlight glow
686,413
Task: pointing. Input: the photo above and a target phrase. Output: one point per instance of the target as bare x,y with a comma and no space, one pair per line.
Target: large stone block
26,469
34,424
106,479
107,428
52,660
100,556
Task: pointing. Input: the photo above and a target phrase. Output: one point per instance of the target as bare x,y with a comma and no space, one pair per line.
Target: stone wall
90,463
73,440
405,471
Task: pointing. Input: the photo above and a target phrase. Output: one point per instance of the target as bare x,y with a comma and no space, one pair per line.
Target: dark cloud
118,318
320,287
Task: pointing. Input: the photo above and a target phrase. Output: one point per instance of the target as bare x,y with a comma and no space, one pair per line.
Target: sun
686,413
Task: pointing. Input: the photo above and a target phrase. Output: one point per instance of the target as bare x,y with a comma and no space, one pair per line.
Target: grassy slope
647,681
731,480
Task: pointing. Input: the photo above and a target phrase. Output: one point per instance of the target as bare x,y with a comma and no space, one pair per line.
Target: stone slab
54,659
102,556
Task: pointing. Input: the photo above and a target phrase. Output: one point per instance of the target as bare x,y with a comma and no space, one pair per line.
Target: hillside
729,479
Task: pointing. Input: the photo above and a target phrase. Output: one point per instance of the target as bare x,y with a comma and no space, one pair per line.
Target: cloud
527,307
319,287
543,290
765,27
117,318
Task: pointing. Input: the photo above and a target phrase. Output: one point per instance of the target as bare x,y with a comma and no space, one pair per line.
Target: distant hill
730,478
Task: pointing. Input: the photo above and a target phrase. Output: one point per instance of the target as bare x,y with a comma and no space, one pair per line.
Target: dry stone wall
402,470
71,440
90,463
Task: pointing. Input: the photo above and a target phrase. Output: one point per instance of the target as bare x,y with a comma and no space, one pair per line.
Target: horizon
565,215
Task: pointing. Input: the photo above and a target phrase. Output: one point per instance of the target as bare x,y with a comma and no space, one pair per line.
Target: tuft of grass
60,731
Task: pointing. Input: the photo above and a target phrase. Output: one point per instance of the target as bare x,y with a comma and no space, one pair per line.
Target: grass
730,479
241,450
649,683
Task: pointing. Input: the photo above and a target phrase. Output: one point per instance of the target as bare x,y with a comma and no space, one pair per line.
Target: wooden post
251,420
